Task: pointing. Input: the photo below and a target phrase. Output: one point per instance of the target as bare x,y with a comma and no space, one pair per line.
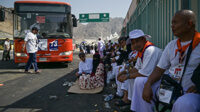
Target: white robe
128,86
119,84
137,102
189,102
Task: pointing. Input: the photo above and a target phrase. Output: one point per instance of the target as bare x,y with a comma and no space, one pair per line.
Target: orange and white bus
54,21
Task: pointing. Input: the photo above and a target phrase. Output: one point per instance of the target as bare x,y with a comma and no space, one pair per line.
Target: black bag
196,78
169,89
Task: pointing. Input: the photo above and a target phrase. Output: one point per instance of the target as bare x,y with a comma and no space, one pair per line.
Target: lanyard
181,50
192,45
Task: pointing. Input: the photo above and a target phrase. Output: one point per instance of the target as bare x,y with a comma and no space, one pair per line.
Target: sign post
94,17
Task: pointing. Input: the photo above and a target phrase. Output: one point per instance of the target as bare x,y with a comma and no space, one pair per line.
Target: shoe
37,72
121,103
26,71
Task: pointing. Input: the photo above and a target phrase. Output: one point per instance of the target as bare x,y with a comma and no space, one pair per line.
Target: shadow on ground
65,102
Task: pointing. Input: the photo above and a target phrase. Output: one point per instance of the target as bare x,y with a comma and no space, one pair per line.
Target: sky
116,8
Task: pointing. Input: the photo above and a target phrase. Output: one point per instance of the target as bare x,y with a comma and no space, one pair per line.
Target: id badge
164,95
178,72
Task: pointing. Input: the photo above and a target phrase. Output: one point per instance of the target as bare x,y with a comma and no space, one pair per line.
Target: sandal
121,103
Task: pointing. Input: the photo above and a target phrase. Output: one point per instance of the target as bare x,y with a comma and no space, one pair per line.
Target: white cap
137,33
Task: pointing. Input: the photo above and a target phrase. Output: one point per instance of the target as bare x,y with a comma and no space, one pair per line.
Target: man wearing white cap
148,57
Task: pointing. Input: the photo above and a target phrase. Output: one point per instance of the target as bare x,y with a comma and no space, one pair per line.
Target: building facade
6,26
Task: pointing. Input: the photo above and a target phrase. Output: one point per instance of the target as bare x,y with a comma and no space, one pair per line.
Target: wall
6,27
154,18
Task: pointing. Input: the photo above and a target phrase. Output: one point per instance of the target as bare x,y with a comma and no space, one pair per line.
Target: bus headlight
65,53
21,54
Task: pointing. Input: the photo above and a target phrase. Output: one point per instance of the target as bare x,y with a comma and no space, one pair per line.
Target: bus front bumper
55,58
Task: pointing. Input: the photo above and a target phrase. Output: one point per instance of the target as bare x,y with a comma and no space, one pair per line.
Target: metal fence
154,18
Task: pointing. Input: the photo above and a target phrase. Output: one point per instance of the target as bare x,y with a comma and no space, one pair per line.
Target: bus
55,24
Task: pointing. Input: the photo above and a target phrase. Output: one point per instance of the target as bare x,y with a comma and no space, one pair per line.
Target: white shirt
170,61
100,45
6,45
32,43
151,58
92,51
86,66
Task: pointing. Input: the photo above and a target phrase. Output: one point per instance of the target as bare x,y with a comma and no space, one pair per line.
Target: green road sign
94,17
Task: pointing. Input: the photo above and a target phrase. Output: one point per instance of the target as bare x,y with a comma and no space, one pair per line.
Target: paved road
30,92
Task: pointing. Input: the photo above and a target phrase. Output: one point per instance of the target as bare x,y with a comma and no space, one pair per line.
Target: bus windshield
50,25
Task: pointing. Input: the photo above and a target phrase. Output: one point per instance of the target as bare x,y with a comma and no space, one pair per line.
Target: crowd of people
145,75
86,48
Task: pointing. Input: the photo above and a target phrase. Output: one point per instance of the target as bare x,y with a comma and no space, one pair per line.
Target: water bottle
109,97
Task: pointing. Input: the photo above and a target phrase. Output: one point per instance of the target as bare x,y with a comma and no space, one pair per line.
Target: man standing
173,58
100,47
31,43
6,51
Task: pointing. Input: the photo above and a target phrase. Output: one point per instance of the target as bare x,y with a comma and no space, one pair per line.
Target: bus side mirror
74,20
2,14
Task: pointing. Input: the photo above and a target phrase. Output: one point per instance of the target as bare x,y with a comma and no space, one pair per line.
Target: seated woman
96,77
85,66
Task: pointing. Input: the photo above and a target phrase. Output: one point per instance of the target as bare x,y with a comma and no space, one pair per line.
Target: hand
192,89
23,49
130,60
113,60
130,70
126,67
120,68
147,93
122,78
77,75
121,73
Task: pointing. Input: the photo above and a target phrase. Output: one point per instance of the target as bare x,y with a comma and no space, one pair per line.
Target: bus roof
45,2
